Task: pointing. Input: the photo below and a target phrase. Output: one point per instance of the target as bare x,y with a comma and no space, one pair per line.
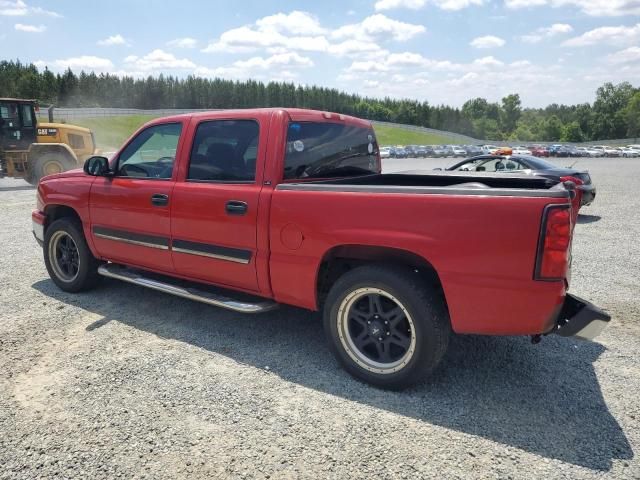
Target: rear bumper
581,319
588,194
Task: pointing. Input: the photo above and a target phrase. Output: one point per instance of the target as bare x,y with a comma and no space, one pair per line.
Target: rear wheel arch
341,259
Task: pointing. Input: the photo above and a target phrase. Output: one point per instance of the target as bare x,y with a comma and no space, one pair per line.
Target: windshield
323,149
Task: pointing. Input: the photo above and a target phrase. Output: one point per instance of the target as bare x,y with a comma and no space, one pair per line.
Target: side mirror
97,166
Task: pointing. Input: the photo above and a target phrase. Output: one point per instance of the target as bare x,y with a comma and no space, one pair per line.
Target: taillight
571,178
554,244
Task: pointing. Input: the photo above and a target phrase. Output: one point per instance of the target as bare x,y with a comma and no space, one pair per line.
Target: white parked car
610,151
385,152
489,149
521,151
590,152
630,152
458,151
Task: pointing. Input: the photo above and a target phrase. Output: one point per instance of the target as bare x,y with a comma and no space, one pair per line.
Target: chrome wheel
64,256
376,330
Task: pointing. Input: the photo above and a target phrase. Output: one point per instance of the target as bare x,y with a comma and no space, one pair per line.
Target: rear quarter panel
482,247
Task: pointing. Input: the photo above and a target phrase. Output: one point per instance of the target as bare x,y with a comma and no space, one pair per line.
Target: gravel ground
128,382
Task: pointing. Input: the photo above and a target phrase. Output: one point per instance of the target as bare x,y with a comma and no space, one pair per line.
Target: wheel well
56,212
339,260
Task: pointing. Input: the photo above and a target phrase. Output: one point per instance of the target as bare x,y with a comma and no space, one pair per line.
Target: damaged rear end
577,317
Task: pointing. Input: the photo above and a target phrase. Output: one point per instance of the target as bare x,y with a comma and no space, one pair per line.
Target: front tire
70,263
386,326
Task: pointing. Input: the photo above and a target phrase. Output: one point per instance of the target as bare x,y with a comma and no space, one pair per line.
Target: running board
138,277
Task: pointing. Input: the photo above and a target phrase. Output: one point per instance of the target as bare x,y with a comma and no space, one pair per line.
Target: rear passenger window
323,149
224,151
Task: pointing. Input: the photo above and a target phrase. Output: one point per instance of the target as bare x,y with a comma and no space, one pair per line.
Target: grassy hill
400,136
111,132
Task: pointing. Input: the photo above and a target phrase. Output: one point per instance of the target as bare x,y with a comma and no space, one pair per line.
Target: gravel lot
129,382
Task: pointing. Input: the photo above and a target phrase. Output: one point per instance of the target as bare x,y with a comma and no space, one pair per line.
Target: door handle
236,207
159,199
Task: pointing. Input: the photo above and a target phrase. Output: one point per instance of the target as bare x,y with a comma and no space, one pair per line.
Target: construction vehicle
31,150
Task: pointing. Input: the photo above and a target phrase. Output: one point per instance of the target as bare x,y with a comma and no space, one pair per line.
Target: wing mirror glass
97,166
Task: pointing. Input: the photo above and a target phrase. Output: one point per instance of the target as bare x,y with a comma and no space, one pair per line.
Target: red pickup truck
249,209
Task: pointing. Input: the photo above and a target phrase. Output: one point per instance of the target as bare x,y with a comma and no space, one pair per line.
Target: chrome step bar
137,277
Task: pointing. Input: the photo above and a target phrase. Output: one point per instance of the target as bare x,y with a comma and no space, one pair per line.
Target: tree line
615,113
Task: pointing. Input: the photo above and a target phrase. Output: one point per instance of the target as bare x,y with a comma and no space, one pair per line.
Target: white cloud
391,4
629,55
402,61
488,41
487,62
417,4
620,35
29,28
19,8
246,39
294,31
296,23
379,25
451,83
594,8
547,32
277,67
84,62
356,48
186,42
287,59
113,40
300,31
159,60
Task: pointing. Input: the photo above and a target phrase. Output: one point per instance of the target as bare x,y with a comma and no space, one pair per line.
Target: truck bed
452,183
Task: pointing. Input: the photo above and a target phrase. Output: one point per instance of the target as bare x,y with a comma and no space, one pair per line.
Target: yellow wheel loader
31,150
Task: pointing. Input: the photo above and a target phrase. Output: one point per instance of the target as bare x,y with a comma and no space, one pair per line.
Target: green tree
552,129
632,116
511,111
609,122
572,133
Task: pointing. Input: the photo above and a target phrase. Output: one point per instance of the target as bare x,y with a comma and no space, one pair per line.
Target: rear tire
70,263
49,164
386,326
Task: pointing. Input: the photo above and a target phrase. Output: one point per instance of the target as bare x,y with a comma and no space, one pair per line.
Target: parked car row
556,150
434,151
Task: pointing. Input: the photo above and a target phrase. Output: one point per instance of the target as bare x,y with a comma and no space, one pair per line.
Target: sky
441,51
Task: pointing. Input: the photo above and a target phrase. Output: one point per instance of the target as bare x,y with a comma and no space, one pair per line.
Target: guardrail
68,114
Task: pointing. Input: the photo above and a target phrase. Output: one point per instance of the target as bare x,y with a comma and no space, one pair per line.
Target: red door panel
212,241
126,226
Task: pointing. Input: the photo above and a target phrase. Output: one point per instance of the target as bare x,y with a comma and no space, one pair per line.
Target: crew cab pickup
249,209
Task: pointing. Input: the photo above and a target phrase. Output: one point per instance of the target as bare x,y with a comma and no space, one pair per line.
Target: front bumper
38,219
581,319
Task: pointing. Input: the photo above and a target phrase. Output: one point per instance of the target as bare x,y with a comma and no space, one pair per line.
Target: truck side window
152,153
224,151
324,149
